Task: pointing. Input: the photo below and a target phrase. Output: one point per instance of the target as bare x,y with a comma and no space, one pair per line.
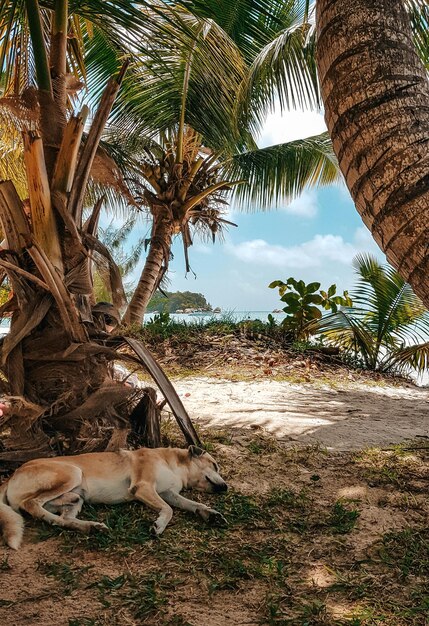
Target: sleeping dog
54,489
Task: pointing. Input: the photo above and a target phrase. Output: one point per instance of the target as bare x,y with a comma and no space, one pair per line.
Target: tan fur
55,489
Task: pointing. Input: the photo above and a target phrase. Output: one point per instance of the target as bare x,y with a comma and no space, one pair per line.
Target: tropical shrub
304,304
387,328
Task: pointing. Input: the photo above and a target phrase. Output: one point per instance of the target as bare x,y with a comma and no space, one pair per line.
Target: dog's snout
219,487
216,486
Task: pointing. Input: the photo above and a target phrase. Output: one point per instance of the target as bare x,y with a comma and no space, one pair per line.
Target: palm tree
190,119
375,90
55,360
125,258
387,327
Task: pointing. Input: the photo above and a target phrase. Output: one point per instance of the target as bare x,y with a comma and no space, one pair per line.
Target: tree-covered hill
178,301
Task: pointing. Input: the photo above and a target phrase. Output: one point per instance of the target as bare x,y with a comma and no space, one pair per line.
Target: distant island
179,302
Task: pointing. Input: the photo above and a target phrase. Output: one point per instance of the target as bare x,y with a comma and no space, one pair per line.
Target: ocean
233,315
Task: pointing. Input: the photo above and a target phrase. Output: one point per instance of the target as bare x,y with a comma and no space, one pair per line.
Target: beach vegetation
387,328
305,303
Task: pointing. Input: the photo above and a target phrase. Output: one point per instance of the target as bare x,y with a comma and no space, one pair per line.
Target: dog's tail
11,522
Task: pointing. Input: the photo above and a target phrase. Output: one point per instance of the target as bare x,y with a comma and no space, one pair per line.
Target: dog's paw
156,530
100,527
211,516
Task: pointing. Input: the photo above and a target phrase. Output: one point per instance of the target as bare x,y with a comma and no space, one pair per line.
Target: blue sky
314,238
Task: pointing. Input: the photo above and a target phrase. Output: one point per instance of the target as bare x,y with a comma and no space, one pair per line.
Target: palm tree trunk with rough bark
154,269
376,96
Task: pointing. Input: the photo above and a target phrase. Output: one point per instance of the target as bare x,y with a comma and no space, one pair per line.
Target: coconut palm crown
186,123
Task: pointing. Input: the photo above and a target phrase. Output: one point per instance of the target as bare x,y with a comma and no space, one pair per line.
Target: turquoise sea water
236,316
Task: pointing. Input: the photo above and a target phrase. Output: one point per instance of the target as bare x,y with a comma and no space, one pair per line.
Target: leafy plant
388,325
304,304
342,520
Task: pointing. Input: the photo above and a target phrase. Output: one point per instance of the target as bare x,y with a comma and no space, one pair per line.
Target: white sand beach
347,418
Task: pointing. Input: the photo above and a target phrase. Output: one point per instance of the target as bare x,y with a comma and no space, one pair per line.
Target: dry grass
313,539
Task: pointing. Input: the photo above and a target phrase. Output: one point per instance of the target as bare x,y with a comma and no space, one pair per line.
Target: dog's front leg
147,494
208,515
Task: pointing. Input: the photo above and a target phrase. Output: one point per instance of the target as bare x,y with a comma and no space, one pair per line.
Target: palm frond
346,329
151,98
124,27
415,357
385,319
283,73
251,24
419,15
282,171
392,310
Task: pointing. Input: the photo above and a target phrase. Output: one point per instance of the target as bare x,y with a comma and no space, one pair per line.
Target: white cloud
303,206
307,254
291,125
316,252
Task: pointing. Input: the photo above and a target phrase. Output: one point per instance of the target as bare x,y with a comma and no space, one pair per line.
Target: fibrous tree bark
376,96
56,362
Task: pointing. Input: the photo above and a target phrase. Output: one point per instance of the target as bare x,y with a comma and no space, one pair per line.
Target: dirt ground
320,533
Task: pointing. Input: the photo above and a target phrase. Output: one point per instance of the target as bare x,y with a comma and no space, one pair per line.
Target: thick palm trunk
55,363
376,96
154,269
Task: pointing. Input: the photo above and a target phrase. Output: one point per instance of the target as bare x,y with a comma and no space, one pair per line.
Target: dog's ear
195,451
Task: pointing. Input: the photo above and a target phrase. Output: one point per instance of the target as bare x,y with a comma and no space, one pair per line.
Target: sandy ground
280,554
340,419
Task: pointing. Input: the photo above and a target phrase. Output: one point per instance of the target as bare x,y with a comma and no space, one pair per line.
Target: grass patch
142,596
128,526
68,575
342,520
407,551
396,466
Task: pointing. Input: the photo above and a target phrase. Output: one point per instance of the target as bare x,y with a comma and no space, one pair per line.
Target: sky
314,238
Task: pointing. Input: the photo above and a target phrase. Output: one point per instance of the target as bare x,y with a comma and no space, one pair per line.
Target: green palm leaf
283,73
251,24
419,14
411,357
391,308
152,98
388,325
282,171
347,330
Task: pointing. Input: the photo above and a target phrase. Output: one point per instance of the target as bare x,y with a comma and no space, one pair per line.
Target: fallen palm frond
150,364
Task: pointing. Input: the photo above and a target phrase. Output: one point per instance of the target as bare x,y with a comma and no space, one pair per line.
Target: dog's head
204,472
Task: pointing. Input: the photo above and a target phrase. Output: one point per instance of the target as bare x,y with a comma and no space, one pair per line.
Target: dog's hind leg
68,505
34,505
146,493
208,515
